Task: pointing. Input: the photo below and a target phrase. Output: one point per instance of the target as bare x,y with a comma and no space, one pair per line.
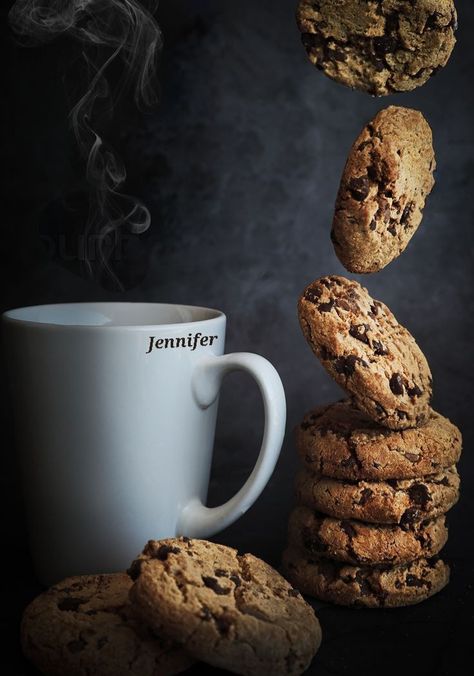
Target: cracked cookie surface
398,501
363,543
384,185
367,352
341,442
230,610
365,586
85,625
378,46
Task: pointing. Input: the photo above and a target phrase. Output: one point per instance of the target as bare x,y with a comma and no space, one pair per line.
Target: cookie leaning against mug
366,351
387,177
85,626
378,46
230,610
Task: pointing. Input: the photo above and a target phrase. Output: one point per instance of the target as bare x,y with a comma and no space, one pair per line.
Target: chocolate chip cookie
378,46
85,625
396,501
341,442
371,587
364,543
387,177
366,351
230,610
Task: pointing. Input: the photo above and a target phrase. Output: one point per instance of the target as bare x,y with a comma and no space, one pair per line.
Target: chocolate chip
413,581
312,295
396,384
293,592
379,348
373,224
337,54
392,229
407,212
432,21
220,572
347,305
213,584
70,603
359,331
135,569
402,415
365,588
348,529
326,307
409,517
412,457
420,495
363,145
346,365
235,579
76,646
385,44
313,40
365,496
414,391
164,551
359,188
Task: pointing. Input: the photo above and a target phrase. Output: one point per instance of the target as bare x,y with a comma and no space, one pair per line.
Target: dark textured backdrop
240,166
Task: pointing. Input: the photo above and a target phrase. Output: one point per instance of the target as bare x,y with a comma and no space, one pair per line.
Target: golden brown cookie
378,46
365,586
230,610
85,626
339,441
363,543
399,501
366,351
387,177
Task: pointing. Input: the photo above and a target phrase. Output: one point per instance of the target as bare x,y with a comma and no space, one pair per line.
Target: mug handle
196,519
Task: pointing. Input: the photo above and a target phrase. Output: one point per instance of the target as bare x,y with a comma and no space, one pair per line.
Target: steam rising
110,31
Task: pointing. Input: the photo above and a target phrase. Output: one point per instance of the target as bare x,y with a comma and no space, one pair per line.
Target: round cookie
367,586
367,352
364,543
378,46
230,610
85,625
399,501
339,441
387,177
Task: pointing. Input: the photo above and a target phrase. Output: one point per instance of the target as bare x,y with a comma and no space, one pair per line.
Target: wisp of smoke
110,31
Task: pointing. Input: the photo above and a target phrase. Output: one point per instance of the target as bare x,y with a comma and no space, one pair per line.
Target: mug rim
9,318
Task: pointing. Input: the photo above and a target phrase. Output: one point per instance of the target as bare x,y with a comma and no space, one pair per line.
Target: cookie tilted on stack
379,468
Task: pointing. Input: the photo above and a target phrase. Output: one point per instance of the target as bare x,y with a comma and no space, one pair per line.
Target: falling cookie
341,442
404,501
85,625
364,543
378,46
366,351
365,586
387,177
230,610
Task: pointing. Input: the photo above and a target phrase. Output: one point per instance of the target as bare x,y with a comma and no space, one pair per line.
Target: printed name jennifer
186,341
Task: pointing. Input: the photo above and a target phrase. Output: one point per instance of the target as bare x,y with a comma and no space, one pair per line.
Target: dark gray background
240,166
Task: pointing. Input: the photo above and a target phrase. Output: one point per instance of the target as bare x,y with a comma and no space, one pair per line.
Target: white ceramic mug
116,406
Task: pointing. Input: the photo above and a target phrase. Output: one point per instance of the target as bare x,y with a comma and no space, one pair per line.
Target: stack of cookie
379,468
